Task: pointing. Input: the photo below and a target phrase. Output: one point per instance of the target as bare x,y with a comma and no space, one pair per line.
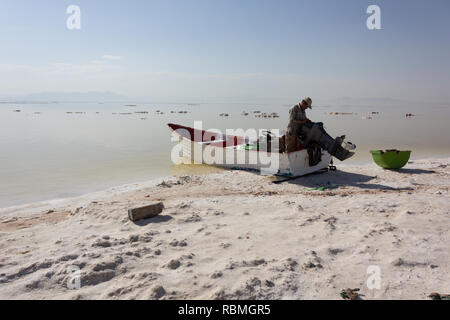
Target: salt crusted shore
237,235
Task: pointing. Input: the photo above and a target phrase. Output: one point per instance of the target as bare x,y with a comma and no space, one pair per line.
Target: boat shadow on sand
338,179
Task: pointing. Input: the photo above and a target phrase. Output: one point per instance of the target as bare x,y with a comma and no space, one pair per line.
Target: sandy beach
237,235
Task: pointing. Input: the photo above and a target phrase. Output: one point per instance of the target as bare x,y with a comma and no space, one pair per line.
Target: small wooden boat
240,152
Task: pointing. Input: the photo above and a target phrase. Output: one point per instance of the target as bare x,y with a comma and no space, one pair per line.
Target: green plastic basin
390,159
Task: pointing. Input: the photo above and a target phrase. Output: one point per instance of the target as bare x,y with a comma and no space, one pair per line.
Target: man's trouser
292,142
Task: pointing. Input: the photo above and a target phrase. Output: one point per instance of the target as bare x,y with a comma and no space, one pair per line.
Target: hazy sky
246,49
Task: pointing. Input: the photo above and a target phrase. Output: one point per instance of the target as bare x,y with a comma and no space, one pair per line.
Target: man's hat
308,102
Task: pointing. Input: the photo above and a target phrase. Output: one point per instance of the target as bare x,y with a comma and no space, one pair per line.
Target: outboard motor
315,133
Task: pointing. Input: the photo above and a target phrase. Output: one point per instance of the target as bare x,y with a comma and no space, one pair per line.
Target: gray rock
174,264
158,292
216,275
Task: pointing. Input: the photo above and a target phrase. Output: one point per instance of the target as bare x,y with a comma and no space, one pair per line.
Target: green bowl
390,159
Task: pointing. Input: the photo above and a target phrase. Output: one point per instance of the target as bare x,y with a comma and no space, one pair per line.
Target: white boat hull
237,157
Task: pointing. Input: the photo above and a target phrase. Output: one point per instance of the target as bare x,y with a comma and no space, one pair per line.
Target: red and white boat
240,152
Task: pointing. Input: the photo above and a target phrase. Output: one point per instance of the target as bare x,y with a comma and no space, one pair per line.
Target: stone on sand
146,212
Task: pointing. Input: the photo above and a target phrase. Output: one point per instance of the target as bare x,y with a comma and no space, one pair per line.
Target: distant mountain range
94,96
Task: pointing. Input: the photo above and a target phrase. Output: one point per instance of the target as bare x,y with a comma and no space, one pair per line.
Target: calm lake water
46,153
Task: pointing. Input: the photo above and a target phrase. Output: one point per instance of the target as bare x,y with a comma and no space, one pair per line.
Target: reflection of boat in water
261,154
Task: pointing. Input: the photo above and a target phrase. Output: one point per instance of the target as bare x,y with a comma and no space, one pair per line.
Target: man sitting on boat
297,118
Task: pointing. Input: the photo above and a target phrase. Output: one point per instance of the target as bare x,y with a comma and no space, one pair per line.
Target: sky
228,50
